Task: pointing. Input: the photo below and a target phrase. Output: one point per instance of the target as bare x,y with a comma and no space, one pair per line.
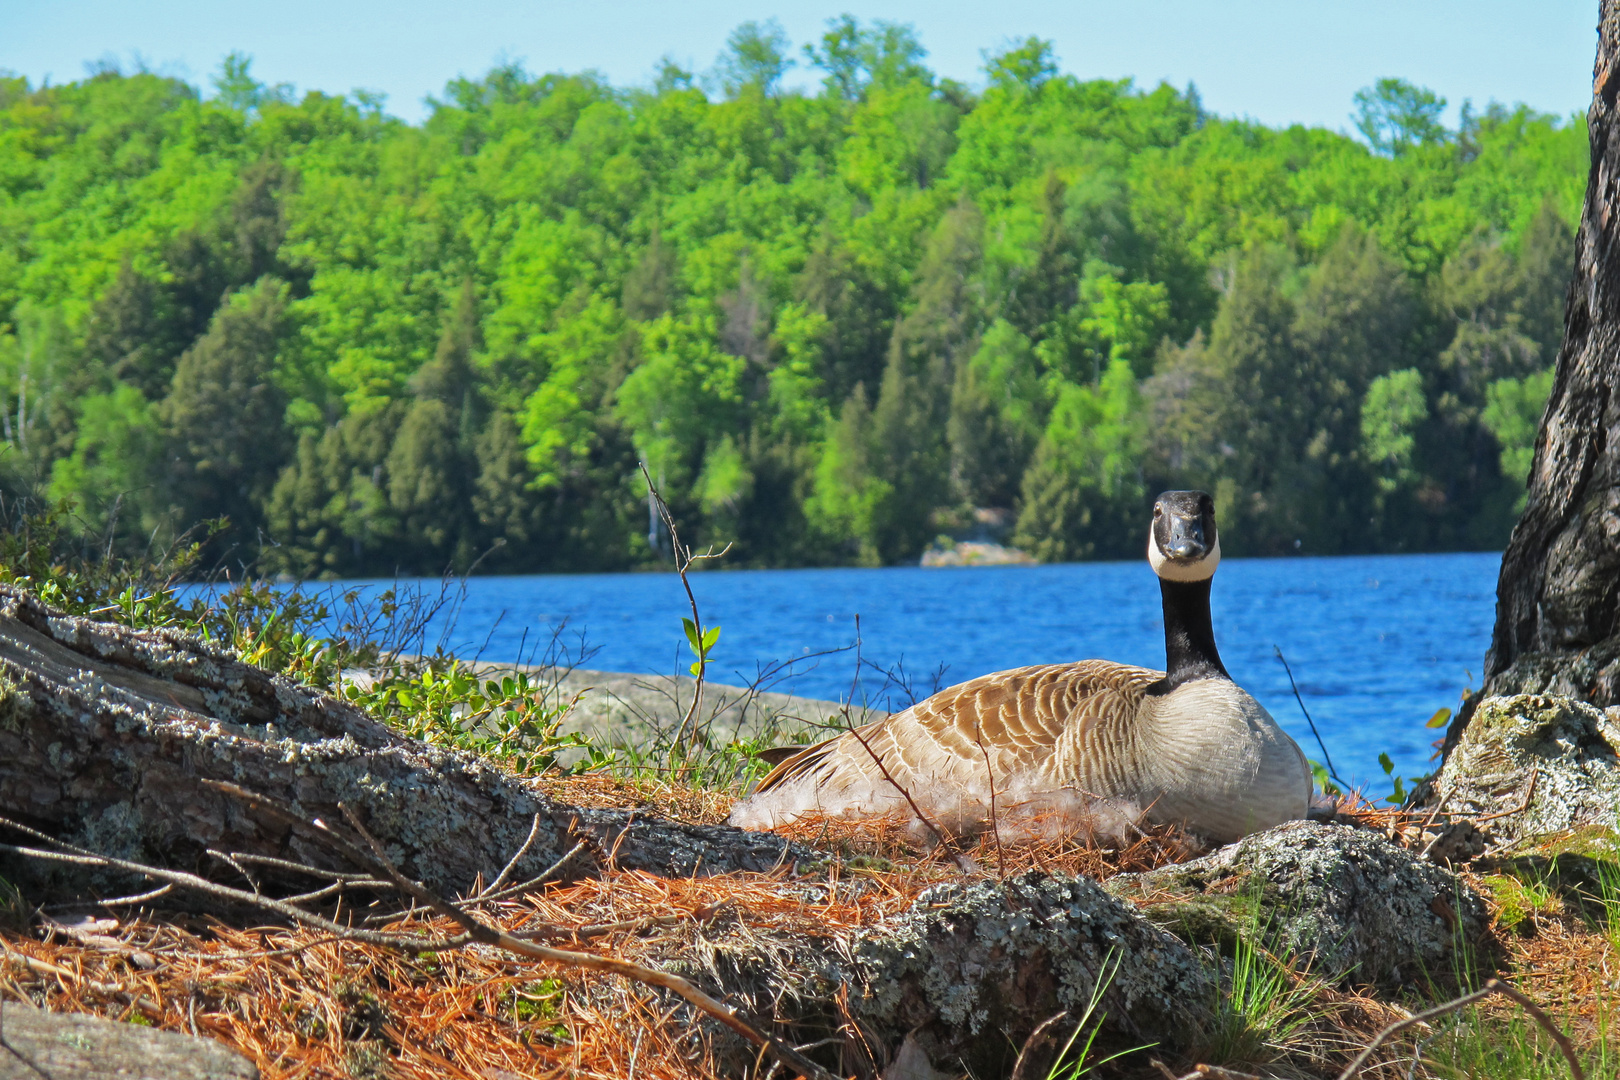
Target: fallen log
35,1044
118,740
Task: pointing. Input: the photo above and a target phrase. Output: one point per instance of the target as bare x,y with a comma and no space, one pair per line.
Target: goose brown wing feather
800,763
1015,717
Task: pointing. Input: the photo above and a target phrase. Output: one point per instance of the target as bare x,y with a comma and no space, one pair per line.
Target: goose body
1085,745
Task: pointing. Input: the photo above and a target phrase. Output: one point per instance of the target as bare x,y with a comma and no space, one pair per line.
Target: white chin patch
1171,570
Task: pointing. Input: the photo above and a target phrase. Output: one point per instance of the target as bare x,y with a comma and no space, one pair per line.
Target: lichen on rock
1545,764
967,972
984,959
1347,902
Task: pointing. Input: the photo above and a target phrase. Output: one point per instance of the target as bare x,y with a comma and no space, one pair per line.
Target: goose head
1183,544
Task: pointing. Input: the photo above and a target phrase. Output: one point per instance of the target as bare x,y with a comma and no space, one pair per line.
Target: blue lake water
1377,643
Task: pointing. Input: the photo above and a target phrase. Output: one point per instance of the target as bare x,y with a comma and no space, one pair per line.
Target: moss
368,1060
1599,842
1212,921
1576,868
15,704
1343,901
1517,901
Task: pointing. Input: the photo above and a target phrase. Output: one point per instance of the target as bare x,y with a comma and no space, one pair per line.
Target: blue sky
1278,61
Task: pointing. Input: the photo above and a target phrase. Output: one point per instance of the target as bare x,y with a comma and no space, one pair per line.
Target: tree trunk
109,738
1557,622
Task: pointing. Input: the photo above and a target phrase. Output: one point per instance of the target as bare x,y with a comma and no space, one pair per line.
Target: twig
995,825
1043,1035
538,879
683,561
1430,820
138,898
75,856
940,836
500,878
482,932
1326,760
1524,804
1492,986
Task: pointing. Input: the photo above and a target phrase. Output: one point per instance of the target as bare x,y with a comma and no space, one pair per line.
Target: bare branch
995,824
1492,986
80,857
500,879
539,879
1045,1034
486,934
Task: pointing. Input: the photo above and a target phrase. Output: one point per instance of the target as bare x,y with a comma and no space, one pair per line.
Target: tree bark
1557,621
109,737
40,1044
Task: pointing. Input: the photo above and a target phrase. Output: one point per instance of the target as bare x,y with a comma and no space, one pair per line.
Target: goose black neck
1189,636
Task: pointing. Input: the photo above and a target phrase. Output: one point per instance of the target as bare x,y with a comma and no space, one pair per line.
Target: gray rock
91,1048
1567,747
968,972
1351,904
985,960
623,709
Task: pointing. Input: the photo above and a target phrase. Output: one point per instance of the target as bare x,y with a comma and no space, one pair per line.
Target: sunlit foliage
834,324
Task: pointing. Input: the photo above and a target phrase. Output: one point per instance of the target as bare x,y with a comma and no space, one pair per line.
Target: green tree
856,57
223,415
1083,494
998,412
756,58
1393,408
834,321
1395,116
1512,414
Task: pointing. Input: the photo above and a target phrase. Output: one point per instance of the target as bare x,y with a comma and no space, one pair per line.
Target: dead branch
940,836
535,882
104,723
506,871
1044,1035
473,928
1492,986
990,777
478,930
77,856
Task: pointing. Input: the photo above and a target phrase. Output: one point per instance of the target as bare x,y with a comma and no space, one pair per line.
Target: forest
835,324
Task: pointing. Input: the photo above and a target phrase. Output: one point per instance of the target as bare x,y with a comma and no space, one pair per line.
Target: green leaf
1323,778
1441,715
1389,766
710,636
697,665
692,635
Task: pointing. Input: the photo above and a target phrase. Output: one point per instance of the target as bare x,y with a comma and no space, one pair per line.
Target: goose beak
1186,539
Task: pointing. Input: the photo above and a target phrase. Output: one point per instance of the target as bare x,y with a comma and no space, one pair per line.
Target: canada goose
1073,741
